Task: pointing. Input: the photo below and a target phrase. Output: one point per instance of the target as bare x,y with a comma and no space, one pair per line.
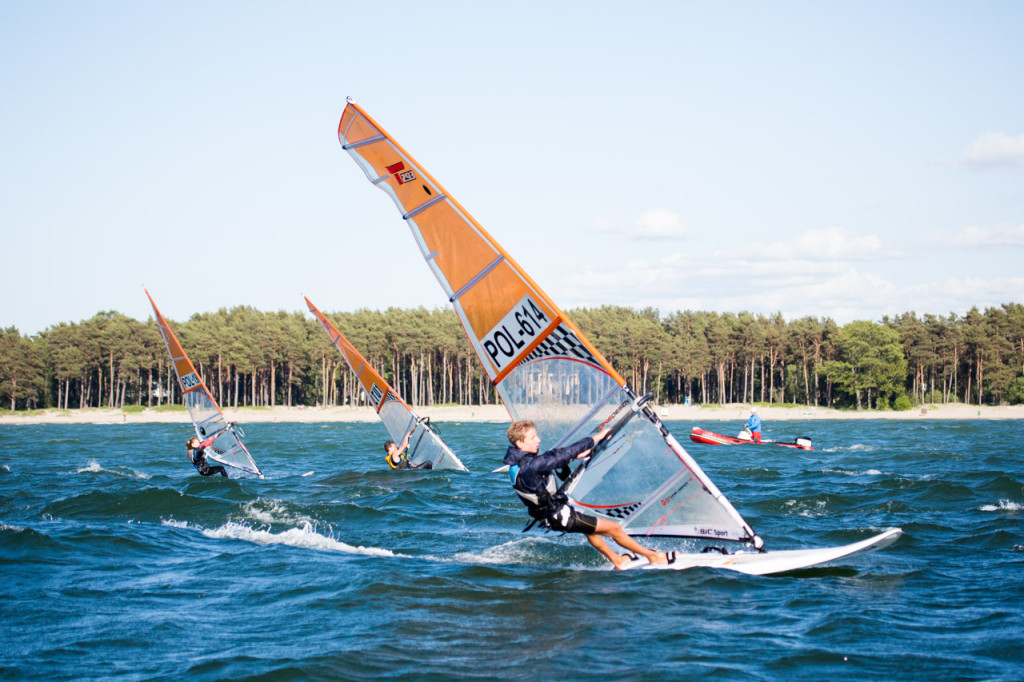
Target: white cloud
660,223
836,243
974,236
797,287
605,225
850,288
655,224
822,273
995,150
827,243
961,293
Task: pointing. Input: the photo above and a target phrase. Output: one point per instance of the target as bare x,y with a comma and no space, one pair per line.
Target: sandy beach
497,413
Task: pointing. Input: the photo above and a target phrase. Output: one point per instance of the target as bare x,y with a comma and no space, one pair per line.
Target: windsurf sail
227,447
542,366
398,418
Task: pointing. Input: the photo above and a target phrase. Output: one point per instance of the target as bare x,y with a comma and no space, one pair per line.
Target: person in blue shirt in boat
197,455
398,458
754,425
533,479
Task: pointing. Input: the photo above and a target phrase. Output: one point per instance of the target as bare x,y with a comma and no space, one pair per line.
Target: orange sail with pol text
226,446
542,365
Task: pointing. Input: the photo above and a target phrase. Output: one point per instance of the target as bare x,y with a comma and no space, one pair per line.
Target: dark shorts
572,522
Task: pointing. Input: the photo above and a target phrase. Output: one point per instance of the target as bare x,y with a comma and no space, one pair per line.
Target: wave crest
1004,505
304,536
94,467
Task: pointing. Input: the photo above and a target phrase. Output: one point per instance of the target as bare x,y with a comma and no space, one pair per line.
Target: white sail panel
642,478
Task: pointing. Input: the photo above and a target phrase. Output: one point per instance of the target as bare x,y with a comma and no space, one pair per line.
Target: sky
844,160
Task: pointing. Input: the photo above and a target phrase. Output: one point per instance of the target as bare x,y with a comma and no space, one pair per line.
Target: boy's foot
623,560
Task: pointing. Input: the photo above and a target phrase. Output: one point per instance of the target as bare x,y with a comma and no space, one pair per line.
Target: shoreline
497,413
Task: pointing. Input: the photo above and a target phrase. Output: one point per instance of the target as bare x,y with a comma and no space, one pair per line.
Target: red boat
698,435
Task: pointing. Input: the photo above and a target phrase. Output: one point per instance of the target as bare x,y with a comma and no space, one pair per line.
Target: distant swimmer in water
533,479
197,455
397,457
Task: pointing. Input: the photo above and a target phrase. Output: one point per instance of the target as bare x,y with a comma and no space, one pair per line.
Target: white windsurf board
765,563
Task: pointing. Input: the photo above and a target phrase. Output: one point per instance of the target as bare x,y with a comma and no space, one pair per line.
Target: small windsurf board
765,563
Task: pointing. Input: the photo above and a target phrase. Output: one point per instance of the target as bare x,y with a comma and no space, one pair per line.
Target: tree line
249,358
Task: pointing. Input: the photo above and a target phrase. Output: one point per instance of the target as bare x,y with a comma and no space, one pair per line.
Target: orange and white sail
541,364
425,445
227,447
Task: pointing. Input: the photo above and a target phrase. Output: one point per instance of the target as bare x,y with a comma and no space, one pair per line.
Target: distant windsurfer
754,425
533,479
197,455
397,458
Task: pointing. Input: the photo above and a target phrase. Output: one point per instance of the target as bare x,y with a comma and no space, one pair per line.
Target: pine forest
250,358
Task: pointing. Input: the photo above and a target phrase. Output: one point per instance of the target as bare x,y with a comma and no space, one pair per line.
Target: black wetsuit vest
200,463
540,503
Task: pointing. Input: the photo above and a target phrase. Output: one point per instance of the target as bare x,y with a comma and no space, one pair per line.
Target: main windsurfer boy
533,480
197,455
397,458
754,425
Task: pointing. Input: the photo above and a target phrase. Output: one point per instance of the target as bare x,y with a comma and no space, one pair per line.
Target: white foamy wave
304,537
308,473
842,472
856,447
520,551
533,552
273,511
808,510
174,523
94,467
7,526
847,472
1004,505
4,468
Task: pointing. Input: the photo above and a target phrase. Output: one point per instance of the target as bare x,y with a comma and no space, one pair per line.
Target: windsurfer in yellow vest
196,452
397,457
533,480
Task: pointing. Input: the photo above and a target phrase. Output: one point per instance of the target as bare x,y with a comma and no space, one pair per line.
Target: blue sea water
119,561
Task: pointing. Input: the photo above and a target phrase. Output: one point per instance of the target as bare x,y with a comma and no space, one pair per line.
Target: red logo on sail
401,174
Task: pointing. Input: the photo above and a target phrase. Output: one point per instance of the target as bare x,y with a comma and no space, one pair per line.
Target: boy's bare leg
615,532
601,546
